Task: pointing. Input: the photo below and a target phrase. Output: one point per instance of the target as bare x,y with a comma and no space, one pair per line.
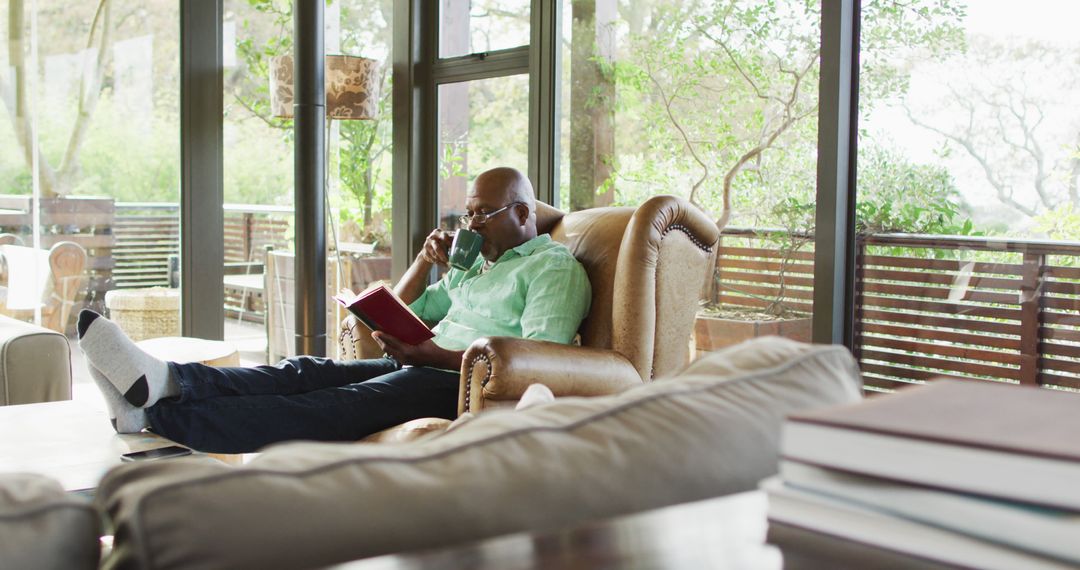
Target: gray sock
139,377
125,418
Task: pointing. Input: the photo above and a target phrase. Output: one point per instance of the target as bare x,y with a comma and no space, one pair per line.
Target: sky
1056,19
1048,20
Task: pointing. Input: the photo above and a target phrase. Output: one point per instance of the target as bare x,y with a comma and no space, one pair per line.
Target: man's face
502,231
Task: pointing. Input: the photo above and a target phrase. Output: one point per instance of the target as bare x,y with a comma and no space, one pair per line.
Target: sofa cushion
712,430
42,527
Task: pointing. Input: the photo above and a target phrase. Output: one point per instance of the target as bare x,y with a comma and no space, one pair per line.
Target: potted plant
721,323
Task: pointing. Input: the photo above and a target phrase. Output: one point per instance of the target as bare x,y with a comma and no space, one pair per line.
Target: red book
381,310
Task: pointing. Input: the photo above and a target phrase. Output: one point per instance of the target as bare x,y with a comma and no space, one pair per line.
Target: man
522,285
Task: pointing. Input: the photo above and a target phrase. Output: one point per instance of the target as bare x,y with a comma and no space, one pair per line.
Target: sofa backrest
41,526
647,266
713,430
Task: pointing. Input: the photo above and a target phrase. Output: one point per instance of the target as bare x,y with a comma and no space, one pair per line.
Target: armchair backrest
67,262
54,279
647,267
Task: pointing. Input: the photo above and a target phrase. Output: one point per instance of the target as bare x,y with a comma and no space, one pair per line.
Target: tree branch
89,92
685,137
1004,194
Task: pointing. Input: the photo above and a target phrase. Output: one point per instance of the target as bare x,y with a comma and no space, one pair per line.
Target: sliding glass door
968,163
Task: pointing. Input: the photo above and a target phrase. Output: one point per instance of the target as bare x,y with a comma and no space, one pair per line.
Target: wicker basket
145,313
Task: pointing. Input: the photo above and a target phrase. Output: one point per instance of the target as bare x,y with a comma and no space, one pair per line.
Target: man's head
497,188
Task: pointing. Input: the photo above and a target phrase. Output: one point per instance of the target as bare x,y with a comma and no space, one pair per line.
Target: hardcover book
381,310
999,440
843,519
1042,530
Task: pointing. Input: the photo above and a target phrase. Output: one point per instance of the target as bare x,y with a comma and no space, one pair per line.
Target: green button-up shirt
536,290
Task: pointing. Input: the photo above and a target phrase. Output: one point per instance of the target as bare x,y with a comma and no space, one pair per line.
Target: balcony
988,309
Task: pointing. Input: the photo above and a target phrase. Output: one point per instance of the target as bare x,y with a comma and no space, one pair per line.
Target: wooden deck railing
147,234
930,306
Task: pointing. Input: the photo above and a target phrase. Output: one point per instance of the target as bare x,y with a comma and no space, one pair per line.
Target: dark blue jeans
239,410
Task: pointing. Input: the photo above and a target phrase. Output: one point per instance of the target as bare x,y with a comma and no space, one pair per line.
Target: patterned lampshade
352,87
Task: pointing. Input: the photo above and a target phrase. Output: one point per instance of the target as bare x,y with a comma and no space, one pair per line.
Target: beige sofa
35,364
710,430
43,527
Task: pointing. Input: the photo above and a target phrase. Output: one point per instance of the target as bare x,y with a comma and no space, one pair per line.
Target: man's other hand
426,353
437,247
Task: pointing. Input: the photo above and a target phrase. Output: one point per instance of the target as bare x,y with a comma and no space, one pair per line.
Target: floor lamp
352,93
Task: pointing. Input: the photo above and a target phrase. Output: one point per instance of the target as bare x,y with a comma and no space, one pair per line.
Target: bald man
523,285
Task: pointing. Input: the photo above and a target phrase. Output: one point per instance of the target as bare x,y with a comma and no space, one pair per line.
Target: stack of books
973,474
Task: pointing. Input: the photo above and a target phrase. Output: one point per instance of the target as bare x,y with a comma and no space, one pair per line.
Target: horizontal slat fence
980,309
749,273
249,231
1059,327
146,235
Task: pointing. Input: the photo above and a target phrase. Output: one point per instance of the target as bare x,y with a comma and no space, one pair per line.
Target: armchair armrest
355,340
501,368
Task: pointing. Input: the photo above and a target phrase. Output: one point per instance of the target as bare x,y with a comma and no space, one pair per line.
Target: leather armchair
647,267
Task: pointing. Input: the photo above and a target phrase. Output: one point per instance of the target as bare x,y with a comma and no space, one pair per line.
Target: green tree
363,146
724,94
57,174
1000,106
896,195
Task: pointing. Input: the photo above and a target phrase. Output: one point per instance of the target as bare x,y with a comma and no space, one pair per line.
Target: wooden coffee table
70,441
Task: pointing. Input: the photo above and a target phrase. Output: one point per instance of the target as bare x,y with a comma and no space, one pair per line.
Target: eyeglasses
481,218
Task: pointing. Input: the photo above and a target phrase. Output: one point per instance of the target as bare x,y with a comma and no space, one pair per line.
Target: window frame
418,71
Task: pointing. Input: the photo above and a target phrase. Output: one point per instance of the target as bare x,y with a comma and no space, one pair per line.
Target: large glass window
715,102
360,173
259,284
482,124
89,160
967,193
258,176
480,26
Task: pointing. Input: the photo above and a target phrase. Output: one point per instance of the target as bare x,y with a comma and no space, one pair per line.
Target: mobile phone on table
159,453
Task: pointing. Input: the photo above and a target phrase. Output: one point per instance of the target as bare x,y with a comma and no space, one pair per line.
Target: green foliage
931,28
896,195
728,89
144,169
1062,223
452,162
361,161
259,40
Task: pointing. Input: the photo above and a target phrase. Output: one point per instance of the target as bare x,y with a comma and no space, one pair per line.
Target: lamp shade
352,87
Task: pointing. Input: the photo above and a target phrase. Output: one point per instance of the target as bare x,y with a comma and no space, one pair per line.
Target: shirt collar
528,247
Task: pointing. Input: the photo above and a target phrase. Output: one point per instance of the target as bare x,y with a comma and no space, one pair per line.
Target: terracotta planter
712,333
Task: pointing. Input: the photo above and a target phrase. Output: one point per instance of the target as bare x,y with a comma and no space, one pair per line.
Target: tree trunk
19,113
53,181
592,98
368,196
89,93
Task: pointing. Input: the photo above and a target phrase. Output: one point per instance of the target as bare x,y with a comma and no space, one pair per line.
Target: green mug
465,248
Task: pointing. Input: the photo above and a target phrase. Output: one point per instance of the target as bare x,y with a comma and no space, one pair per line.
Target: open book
381,310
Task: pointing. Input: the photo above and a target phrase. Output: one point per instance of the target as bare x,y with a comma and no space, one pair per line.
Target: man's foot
139,377
125,418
